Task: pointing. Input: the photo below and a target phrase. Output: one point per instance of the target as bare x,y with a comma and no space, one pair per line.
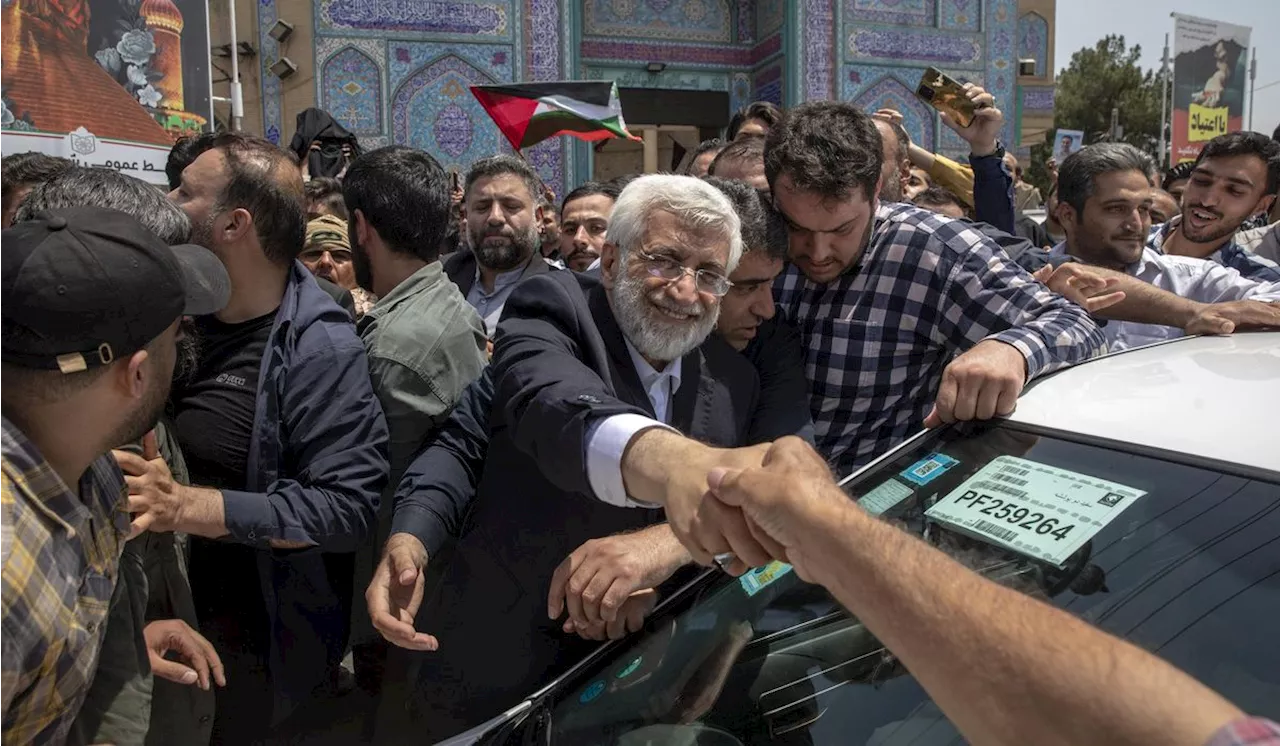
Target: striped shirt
61,552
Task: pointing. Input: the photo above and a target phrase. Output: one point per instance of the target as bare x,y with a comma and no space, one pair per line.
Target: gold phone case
945,93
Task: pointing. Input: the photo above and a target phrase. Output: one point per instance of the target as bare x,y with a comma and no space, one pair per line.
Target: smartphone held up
946,94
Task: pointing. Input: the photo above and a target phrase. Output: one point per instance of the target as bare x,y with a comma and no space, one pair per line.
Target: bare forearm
921,158
1006,668
668,552
1145,303
203,513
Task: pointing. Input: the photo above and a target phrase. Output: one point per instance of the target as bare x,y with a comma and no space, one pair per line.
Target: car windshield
1182,560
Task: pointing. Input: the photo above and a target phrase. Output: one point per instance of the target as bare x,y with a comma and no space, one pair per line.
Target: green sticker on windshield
630,668
758,578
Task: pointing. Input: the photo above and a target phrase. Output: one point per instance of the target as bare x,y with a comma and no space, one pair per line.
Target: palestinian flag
529,113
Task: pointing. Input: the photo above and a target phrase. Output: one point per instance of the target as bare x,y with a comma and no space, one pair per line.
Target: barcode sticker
928,469
1009,479
987,527
992,486
1031,508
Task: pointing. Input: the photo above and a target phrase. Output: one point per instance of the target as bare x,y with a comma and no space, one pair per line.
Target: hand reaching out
198,662
395,593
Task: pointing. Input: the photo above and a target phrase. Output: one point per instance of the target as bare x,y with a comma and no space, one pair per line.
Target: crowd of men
440,422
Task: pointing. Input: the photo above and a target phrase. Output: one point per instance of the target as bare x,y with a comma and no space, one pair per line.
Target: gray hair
699,206
101,187
500,165
1078,173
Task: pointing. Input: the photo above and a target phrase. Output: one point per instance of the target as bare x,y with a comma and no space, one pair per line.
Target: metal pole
237,93
1164,101
1253,76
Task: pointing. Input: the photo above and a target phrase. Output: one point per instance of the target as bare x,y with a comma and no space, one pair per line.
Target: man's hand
892,116
1082,285
154,498
202,661
981,383
1225,318
663,467
984,130
630,618
596,580
395,593
787,502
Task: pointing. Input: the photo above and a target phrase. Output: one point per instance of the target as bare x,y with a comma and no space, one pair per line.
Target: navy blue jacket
317,464
992,191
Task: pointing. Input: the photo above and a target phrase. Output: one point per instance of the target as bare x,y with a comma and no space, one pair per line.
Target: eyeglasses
669,269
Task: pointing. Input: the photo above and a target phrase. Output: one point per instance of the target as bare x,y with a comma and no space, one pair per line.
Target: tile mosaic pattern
819,49
1037,97
770,15
1033,41
684,54
268,53
1000,18
545,59
899,12
433,109
961,15
745,21
351,90
674,20
875,87
945,49
483,18
767,84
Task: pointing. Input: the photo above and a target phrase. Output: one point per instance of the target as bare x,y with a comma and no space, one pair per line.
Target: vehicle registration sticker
1031,508
928,468
754,580
882,498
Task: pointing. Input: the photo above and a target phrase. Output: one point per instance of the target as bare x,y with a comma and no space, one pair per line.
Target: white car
1140,491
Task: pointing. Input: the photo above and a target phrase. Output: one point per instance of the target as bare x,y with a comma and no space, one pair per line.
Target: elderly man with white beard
610,400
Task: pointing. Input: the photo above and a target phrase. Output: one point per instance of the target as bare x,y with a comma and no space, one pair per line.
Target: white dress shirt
1195,279
607,439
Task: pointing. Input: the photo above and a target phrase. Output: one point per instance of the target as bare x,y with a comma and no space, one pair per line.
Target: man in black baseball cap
91,301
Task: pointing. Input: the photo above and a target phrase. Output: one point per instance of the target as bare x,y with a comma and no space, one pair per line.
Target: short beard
891,190
143,419
507,256
1211,236
652,339
202,233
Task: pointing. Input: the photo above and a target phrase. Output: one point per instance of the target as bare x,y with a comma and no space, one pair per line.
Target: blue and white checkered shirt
1230,255
925,289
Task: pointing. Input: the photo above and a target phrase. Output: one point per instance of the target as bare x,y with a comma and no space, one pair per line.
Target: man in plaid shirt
91,305
909,318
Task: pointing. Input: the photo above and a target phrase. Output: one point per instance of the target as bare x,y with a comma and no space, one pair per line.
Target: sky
1081,23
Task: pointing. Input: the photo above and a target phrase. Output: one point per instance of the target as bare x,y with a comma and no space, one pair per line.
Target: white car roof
1215,397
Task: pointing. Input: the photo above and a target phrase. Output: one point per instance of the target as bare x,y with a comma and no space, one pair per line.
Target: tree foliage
1098,79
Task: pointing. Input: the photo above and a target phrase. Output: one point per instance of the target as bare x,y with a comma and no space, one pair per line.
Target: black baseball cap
83,286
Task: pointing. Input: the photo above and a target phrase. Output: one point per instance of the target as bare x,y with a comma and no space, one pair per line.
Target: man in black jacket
587,375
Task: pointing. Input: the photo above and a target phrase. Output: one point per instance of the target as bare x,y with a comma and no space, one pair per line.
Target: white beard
654,336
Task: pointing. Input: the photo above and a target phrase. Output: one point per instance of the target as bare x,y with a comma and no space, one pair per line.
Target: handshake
758,504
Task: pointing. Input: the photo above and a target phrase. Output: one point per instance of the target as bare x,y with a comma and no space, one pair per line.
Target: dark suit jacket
460,266
560,364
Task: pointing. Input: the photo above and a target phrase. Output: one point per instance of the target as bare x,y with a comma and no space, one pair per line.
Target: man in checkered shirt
909,318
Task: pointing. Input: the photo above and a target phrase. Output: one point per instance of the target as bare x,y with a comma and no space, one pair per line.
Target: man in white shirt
1105,193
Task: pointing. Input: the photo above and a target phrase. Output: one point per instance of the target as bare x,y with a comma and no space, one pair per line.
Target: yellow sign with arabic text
1204,123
